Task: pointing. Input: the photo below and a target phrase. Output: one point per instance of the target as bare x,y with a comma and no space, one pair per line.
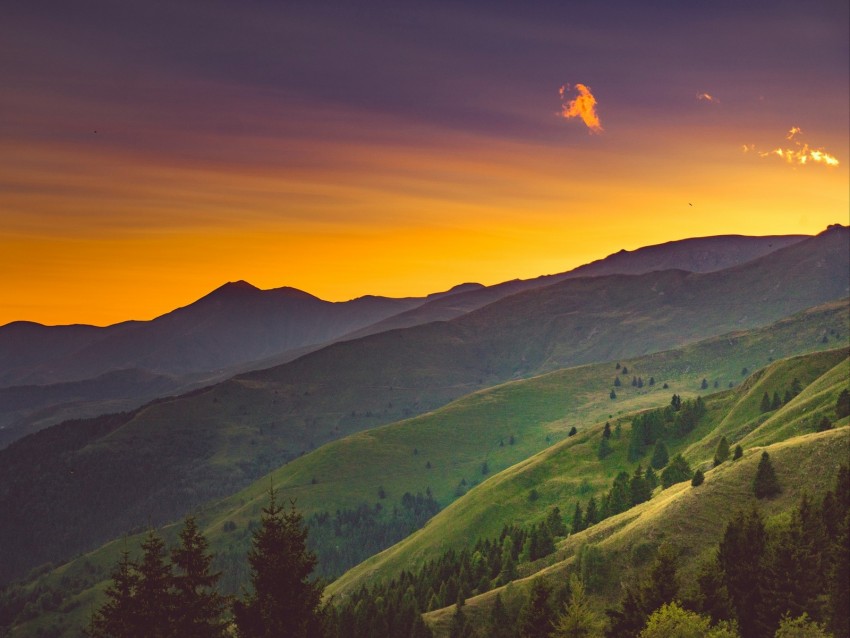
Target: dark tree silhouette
284,602
766,484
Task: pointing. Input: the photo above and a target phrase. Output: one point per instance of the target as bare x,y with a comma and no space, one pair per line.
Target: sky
151,151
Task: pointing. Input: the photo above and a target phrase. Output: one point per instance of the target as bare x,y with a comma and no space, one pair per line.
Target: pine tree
776,403
604,448
721,453
617,382
704,384
572,431
765,403
535,619
578,520
739,452
676,471
613,394
651,479
198,607
153,599
578,619
842,404
766,484
606,431
283,602
639,488
119,616
500,625
591,514
660,457
741,556
698,478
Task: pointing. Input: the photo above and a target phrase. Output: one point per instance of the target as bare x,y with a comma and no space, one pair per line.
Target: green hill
691,520
458,438
570,470
176,454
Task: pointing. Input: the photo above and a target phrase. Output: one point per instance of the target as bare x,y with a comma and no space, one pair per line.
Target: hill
176,454
69,372
457,438
571,470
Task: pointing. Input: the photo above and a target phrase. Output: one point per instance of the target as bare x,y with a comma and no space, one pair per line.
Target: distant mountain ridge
178,453
238,327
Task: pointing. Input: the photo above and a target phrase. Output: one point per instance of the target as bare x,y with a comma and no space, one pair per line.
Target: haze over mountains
52,373
179,453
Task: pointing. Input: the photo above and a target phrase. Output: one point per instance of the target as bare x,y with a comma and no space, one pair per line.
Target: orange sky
206,180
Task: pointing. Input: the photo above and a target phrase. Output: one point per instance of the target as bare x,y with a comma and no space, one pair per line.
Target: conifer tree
283,601
606,431
119,616
842,404
578,620
198,607
604,448
651,479
660,457
639,488
741,556
676,471
578,520
721,453
591,515
500,625
572,431
739,452
535,619
153,599
698,479
765,484
765,403
776,403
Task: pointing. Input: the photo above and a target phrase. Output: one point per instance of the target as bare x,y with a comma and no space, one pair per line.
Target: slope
456,439
176,454
571,470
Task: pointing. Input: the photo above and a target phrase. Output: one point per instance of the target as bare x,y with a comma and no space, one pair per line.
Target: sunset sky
151,151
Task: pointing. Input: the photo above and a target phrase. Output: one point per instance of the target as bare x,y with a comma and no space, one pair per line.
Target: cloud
800,155
583,106
707,97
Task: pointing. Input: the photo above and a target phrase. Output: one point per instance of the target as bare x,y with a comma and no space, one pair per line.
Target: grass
456,440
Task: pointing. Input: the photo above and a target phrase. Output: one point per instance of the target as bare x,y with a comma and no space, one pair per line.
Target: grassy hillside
571,470
177,454
458,438
691,520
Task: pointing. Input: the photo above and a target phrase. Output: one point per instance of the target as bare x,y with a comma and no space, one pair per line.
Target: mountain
178,453
699,255
239,328
457,437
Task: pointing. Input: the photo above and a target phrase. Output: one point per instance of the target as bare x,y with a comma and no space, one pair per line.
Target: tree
660,457
198,607
535,619
651,479
776,403
578,620
613,394
739,452
118,616
555,523
283,601
591,514
500,625
578,520
721,452
741,556
651,381
617,382
698,478
765,483
153,602
572,431
671,621
765,403
639,488
606,431
824,424
625,370
842,404
676,471
801,627
485,469
704,384
604,448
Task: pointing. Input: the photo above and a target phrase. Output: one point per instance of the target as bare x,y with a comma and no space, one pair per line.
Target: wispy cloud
801,154
707,97
583,106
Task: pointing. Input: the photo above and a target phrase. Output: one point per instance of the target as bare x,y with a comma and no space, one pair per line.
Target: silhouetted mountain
238,328
176,454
